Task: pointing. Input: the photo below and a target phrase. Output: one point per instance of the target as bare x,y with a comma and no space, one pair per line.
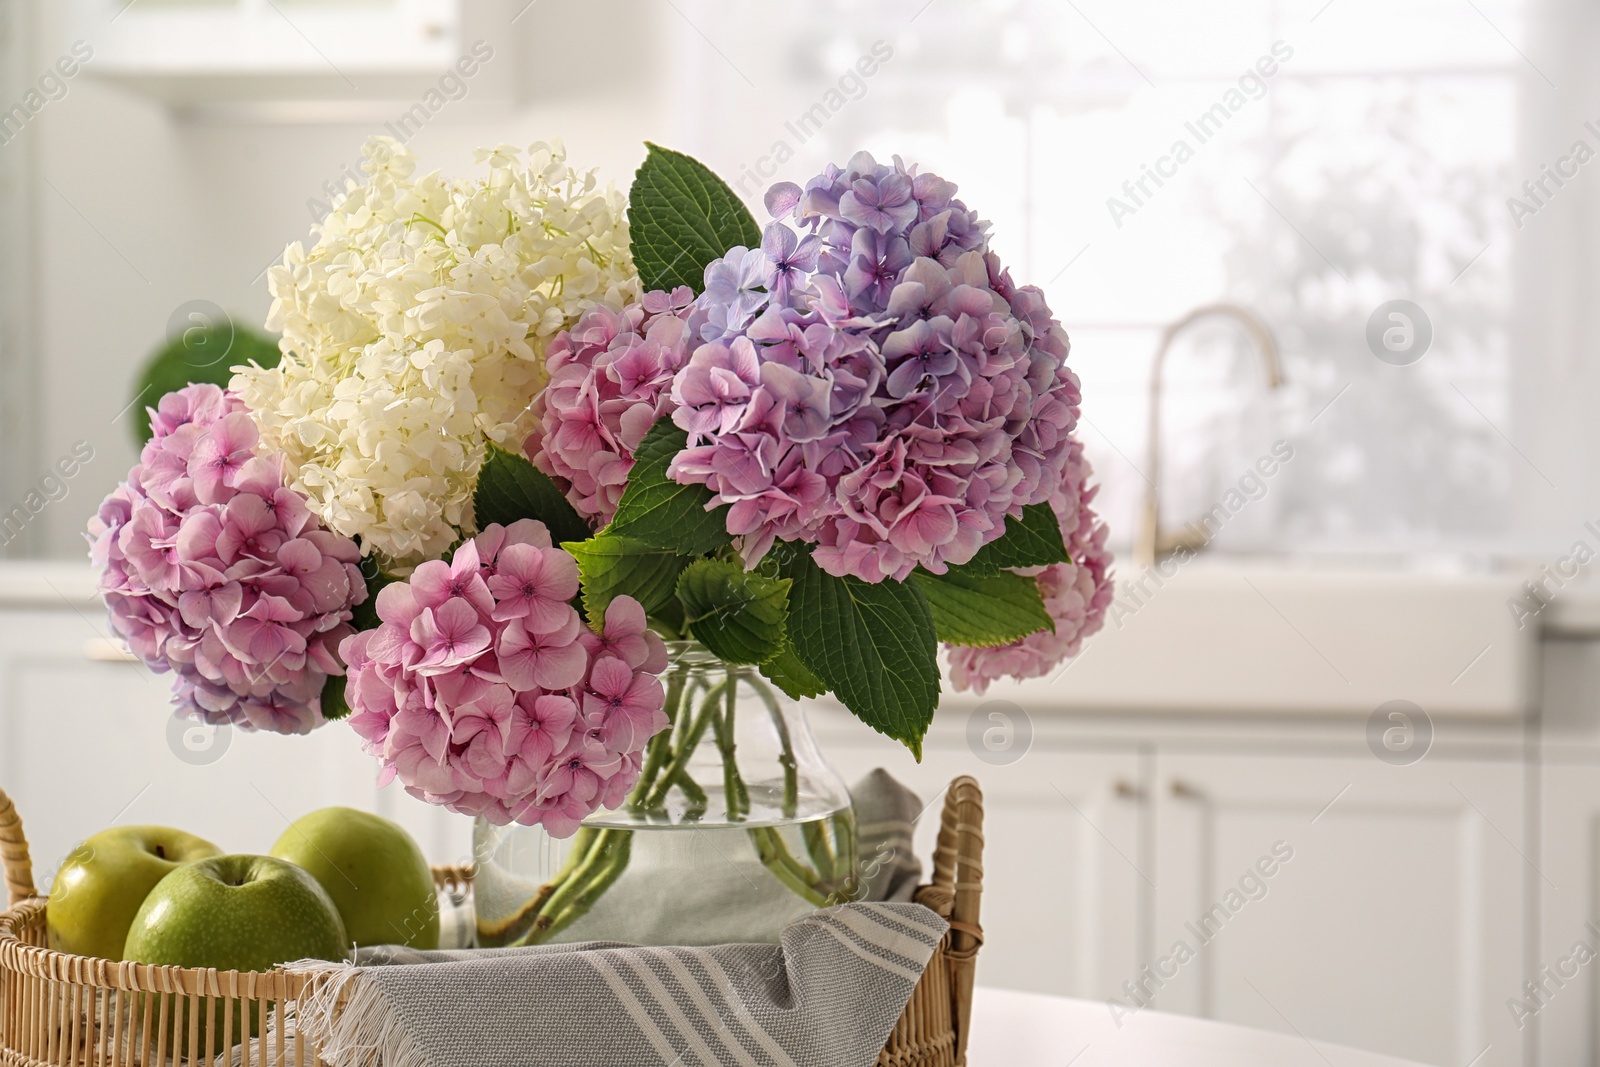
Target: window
1334,156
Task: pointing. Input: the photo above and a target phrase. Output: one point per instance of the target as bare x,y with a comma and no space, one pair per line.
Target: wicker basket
58,1010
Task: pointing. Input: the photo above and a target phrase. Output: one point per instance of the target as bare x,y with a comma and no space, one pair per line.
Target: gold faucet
1154,542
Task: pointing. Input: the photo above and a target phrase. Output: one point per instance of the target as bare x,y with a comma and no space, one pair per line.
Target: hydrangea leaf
681,216
787,673
735,613
660,512
1033,541
510,488
984,610
611,566
873,645
334,705
364,616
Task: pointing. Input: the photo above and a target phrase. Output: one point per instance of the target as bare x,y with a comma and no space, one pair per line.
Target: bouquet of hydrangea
523,430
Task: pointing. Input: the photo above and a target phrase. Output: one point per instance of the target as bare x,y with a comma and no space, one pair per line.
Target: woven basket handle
958,858
958,870
14,853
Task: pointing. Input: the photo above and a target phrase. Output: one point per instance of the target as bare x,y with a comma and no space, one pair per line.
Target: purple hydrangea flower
788,259
211,568
738,279
871,381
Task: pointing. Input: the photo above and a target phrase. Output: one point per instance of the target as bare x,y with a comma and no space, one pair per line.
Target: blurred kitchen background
1378,649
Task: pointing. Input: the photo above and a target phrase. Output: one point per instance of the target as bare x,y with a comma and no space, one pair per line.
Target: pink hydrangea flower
610,379
1076,594
212,569
483,691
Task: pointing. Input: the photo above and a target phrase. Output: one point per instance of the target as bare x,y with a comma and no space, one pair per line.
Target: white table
1011,1029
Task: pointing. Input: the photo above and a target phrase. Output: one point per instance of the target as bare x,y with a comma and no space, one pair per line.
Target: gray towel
827,995
886,816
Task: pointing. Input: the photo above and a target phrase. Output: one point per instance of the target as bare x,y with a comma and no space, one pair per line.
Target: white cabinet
1066,885
1346,899
1563,1007
1314,889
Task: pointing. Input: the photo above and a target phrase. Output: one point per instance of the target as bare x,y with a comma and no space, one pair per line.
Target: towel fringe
350,1020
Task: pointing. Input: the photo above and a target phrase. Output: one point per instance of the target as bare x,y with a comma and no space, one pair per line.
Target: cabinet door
1346,900
1565,1008
87,743
1066,889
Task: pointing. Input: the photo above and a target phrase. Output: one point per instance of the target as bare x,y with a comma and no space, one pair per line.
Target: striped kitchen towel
826,996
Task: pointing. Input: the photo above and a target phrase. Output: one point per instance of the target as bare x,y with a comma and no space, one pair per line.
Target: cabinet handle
1184,791
1126,790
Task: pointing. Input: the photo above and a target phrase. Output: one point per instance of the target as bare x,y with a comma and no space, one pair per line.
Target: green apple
236,913
377,876
99,888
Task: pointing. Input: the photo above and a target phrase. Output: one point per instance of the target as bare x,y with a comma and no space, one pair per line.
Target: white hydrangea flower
415,329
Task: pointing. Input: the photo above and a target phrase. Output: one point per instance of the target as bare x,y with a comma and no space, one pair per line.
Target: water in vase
678,883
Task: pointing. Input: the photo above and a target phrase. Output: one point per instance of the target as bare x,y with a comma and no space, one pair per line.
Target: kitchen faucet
1153,542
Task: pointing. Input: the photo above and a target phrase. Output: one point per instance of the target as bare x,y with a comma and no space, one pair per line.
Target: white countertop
30,583
1237,637
1011,1029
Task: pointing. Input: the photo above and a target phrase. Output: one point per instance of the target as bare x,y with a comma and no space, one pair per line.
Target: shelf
198,52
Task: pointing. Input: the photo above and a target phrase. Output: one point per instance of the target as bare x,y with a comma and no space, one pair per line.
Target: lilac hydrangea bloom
211,568
878,387
482,690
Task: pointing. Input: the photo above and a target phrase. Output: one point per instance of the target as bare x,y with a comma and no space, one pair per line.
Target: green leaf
736,614
612,566
660,512
680,218
364,616
787,673
667,619
203,351
333,703
1034,541
987,610
510,488
873,646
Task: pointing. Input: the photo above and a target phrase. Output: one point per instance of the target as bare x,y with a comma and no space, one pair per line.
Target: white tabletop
1011,1029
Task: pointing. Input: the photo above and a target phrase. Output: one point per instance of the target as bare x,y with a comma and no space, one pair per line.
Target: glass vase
736,827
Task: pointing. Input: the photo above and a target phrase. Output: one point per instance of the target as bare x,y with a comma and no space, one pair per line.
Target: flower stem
792,873
846,835
791,771
684,748
661,744
824,853
820,850
518,924
605,864
733,787
691,789
581,868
